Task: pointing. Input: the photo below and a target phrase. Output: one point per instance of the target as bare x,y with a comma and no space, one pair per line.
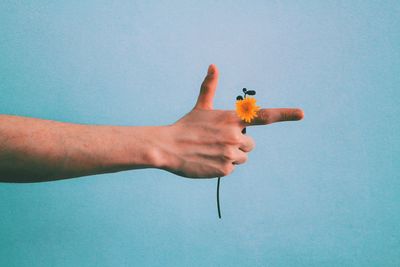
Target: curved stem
219,209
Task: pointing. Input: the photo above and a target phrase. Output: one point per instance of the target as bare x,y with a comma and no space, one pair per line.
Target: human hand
208,143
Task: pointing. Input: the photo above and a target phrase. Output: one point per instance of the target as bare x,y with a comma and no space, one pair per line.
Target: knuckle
284,116
233,137
252,143
229,154
230,116
219,173
235,119
226,169
247,144
265,117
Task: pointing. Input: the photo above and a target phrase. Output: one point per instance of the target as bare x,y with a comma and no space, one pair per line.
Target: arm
34,150
205,143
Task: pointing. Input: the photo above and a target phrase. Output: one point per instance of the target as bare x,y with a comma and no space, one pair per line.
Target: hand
208,143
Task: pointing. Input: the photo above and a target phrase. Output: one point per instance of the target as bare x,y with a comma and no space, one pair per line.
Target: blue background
321,192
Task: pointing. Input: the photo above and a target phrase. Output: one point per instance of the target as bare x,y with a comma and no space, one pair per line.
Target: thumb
207,90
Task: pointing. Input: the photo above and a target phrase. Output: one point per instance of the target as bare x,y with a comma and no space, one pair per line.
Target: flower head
247,109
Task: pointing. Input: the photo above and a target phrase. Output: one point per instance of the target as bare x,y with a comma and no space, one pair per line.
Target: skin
205,143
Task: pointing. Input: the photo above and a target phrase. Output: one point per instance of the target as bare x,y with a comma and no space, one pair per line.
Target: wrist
162,154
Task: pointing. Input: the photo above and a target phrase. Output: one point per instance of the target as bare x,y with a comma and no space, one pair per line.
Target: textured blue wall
321,192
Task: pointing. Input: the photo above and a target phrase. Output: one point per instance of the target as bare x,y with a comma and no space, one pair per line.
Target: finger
208,87
272,115
247,144
241,157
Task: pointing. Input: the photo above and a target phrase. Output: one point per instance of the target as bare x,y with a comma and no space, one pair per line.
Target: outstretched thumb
208,87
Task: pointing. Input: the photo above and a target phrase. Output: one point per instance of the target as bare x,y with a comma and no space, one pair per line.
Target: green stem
219,209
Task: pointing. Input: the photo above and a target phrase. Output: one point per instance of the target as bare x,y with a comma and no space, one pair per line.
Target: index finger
272,115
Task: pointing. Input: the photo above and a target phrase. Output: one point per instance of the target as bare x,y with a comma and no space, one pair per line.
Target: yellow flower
247,109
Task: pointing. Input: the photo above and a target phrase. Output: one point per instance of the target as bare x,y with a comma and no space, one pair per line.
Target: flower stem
219,178
219,209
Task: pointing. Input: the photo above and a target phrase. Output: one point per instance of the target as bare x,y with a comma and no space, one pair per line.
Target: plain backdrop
324,191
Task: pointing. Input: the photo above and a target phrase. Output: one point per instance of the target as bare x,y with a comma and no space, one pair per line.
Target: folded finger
240,158
247,144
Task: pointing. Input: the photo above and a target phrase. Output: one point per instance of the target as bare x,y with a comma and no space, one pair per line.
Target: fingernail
210,70
299,114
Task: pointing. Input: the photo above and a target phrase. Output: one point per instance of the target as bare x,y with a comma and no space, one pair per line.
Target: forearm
33,150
